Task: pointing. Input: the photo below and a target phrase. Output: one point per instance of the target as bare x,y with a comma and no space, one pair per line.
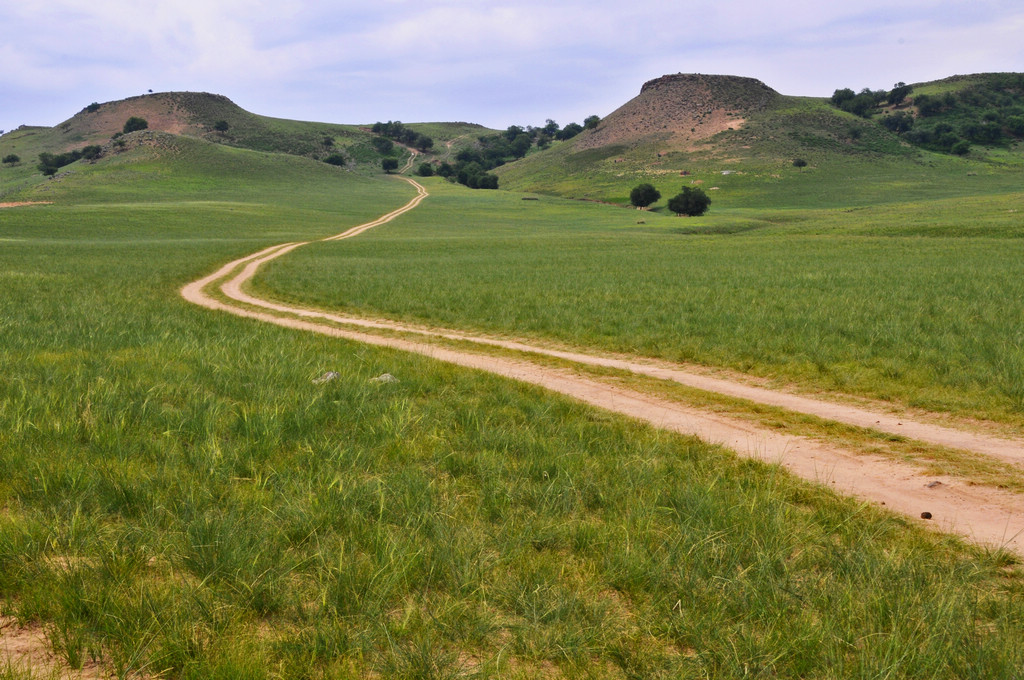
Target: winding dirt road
983,514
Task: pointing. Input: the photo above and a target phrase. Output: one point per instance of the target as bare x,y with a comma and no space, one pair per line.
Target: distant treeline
472,165
989,112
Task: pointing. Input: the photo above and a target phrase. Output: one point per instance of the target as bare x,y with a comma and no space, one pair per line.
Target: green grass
178,497
913,302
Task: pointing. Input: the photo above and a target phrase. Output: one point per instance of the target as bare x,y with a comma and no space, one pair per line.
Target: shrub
12,158
93,108
134,124
92,152
690,201
425,170
643,195
383,145
336,159
961,148
221,126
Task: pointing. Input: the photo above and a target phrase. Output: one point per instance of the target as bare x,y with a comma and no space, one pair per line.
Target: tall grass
179,498
853,301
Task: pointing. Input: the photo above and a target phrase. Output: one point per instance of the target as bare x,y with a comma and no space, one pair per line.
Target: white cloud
493,62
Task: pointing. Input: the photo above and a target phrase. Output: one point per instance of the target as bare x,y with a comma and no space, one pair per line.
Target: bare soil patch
21,204
26,647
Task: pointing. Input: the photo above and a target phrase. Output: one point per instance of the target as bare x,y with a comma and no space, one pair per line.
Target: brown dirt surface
682,110
986,515
171,112
21,204
26,648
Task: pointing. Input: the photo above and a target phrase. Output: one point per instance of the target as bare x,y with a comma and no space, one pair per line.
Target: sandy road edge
981,514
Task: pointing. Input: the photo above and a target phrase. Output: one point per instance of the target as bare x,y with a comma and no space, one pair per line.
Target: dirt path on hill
21,204
982,514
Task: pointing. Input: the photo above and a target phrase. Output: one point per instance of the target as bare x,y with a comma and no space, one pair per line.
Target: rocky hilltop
682,109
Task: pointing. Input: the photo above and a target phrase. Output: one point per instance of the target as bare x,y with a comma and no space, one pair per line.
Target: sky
493,62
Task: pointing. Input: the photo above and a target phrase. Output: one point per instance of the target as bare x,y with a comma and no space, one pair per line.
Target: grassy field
917,302
179,496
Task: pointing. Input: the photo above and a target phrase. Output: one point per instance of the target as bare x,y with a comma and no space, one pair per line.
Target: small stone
326,377
932,485
926,515
384,378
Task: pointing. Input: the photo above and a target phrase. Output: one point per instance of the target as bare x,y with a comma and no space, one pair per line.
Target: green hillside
750,139
203,117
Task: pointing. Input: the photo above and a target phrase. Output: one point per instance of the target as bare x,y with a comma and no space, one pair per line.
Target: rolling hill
742,137
196,116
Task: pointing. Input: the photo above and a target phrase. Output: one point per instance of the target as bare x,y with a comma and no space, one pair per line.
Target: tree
135,123
899,122
383,145
569,131
961,148
799,163
221,126
521,144
12,158
424,143
643,195
425,170
692,201
591,122
389,164
898,93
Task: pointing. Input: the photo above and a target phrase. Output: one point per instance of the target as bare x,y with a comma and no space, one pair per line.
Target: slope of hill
740,137
208,117
680,110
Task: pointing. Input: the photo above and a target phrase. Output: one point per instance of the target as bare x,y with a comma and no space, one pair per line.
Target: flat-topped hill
682,109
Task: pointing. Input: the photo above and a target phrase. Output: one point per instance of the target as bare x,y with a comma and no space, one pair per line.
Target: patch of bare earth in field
27,648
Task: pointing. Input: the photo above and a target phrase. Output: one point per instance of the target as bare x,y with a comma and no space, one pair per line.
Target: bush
643,195
12,158
691,201
93,108
134,124
92,152
383,145
425,170
221,126
961,148
336,159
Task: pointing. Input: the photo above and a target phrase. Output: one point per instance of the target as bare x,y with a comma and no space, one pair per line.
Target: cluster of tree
691,201
50,163
395,130
867,101
472,166
989,112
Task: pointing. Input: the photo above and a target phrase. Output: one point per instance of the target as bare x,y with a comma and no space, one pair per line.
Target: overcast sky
492,62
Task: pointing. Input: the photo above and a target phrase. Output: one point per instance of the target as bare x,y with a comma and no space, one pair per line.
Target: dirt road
983,514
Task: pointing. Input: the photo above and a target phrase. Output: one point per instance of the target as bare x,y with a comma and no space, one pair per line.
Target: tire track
982,514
